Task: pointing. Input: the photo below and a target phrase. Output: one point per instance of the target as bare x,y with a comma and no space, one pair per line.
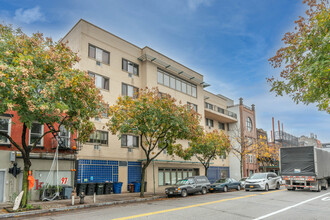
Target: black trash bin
81,187
108,188
90,189
99,188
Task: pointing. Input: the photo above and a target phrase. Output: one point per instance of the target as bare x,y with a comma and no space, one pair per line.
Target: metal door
2,185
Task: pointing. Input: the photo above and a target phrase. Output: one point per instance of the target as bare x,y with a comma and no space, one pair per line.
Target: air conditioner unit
130,75
130,149
98,63
97,147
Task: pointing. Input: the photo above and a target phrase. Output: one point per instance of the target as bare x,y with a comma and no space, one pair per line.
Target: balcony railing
220,110
67,143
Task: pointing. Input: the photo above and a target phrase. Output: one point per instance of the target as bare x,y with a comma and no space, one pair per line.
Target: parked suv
263,181
189,185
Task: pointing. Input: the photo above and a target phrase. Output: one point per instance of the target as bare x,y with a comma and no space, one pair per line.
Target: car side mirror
269,178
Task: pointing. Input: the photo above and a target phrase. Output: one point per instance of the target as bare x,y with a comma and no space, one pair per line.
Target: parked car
263,181
225,184
242,181
189,185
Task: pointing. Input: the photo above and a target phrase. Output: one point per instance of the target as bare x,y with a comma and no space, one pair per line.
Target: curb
35,212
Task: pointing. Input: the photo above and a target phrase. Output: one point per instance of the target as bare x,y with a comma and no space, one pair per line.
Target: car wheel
318,187
238,188
225,189
184,193
278,186
326,186
246,190
204,191
169,196
266,187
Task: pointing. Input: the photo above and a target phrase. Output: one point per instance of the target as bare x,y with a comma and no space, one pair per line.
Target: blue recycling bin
117,187
137,187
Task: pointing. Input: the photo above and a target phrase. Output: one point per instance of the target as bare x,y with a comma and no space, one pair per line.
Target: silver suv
263,181
189,185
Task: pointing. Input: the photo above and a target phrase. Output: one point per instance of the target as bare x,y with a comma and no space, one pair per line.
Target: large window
209,122
128,90
36,132
100,81
65,136
4,127
208,105
169,176
98,54
192,106
99,137
221,126
176,83
129,140
130,67
249,124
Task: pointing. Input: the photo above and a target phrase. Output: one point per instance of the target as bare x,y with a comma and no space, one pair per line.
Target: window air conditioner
96,147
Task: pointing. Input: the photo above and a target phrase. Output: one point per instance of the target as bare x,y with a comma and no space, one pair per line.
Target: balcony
219,114
67,143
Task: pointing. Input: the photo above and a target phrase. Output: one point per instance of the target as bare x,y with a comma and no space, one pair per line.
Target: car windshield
221,181
258,176
182,182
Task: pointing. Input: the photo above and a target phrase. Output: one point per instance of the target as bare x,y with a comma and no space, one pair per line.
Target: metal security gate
215,173
2,185
134,172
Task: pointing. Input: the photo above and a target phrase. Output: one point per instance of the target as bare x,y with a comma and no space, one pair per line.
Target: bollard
72,200
94,197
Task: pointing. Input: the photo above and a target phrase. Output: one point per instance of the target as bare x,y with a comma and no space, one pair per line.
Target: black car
189,185
225,184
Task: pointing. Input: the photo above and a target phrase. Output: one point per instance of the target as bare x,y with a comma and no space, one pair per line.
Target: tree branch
159,152
12,141
35,143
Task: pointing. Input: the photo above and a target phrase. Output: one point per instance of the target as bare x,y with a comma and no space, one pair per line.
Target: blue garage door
215,173
97,171
134,172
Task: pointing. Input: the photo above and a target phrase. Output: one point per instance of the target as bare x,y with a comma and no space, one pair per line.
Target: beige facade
133,67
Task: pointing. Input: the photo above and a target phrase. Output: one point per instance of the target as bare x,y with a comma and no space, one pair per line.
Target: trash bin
131,187
108,188
117,187
81,187
90,189
99,188
66,192
137,187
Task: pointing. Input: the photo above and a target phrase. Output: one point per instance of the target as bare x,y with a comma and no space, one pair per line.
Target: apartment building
121,68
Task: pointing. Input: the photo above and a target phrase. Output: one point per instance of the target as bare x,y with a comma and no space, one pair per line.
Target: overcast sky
229,42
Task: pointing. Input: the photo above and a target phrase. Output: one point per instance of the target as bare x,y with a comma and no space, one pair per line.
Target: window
249,124
36,131
98,54
65,136
208,105
4,127
129,140
250,158
101,82
176,83
130,67
209,122
170,176
192,106
128,90
221,126
99,137
221,110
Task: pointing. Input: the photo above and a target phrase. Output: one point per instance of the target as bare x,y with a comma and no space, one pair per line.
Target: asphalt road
275,204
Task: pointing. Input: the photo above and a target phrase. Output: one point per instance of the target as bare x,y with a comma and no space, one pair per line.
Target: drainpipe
153,170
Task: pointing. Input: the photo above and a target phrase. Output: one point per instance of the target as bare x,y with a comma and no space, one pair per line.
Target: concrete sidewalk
64,205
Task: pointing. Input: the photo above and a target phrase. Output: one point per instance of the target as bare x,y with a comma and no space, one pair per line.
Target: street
275,204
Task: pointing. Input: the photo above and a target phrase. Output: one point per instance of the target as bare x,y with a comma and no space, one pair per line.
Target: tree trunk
144,167
25,188
206,168
241,166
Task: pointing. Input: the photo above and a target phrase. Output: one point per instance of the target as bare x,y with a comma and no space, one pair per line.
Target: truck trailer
305,168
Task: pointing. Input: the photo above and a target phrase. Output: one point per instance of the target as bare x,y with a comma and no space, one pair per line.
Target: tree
267,154
39,83
206,147
156,119
306,74
241,145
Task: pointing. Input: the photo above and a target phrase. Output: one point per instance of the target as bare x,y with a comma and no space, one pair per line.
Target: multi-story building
309,141
121,68
41,157
243,135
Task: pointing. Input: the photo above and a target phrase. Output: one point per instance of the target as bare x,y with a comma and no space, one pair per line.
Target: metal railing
220,110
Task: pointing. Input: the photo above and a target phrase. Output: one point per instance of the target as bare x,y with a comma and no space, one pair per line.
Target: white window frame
42,133
68,138
248,123
92,74
9,128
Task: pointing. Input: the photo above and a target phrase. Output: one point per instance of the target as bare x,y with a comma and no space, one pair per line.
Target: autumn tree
305,58
158,120
39,83
241,145
267,153
206,147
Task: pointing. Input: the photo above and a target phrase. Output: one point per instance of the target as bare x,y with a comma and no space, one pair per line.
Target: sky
229,42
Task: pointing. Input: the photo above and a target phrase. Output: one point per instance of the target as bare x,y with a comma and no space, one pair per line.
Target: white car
263,181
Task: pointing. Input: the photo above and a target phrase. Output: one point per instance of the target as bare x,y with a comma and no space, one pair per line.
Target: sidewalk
63,205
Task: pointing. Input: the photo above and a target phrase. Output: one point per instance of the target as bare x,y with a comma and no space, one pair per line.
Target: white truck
305,168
